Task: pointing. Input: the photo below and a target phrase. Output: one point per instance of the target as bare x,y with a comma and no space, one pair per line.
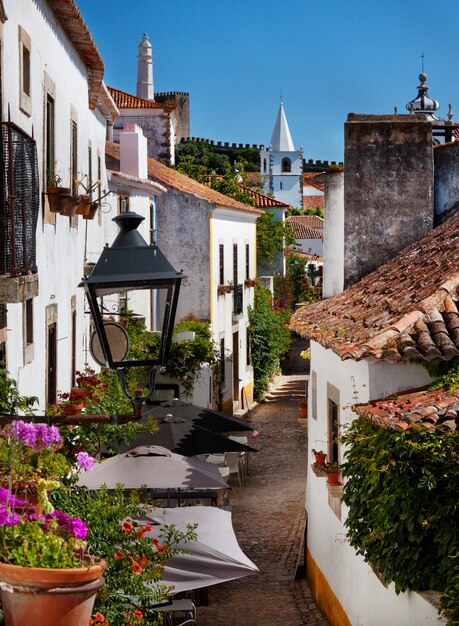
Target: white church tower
145,86
281,165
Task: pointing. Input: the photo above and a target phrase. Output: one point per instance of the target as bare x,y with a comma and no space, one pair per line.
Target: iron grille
19,201
238,299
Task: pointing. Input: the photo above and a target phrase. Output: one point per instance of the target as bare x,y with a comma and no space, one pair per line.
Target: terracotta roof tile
125,100
312,202
262,201
167,176
309,221
71,20
406,309
302,231
304,255
438,409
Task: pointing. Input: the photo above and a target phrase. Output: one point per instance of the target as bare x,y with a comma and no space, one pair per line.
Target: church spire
281,140
145,87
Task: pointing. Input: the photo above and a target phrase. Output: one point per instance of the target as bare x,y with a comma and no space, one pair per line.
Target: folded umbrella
205,418
186,438
153,467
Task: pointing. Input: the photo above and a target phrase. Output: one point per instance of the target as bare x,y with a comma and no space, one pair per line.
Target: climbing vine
402,494
269,338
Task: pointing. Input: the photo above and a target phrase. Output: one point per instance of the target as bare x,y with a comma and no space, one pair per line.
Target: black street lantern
130,264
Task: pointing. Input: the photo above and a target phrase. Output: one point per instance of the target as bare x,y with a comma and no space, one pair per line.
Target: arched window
286,165
264,166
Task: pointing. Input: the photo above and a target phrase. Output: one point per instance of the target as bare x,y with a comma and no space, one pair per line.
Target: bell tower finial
145,86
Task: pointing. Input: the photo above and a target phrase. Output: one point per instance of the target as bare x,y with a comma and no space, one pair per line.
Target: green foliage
217,159
295,287
316,211
132,560
450,597
402,494
269,339
186,357
446,374
272,236
10,400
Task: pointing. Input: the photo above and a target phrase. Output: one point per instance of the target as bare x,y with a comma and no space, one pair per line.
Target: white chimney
133,151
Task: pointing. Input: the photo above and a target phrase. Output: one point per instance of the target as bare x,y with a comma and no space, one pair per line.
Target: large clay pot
36,596
320,458
333,478
72,409
57,198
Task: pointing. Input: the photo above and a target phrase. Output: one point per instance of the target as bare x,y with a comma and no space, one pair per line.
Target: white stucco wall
333,242
285,186
365,600
61,248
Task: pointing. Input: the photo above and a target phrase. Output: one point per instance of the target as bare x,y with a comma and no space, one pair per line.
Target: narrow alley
268,517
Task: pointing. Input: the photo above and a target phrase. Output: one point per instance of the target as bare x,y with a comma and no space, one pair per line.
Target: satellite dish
118,341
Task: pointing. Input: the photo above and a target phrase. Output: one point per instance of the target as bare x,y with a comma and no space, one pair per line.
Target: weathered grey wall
446,159
183,236
156,127
181,100
388,188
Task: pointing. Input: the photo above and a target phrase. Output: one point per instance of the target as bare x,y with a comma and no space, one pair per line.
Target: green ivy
402,494
269,338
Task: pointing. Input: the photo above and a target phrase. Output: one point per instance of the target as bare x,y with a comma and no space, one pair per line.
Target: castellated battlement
225,145
170,94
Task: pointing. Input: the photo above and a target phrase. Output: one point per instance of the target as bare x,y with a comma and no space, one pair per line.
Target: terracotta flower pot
49,597
70,206
333,478
83,204
72,409
320,458
303,411
57,198
90,211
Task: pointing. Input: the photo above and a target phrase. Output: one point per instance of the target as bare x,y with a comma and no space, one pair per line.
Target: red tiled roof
304,255
71,20
262,201
310,221
432,409
302,231
167,176
312,202
405,310
308,179
125,100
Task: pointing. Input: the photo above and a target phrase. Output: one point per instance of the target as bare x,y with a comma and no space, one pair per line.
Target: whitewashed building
212,238
54,111
281,166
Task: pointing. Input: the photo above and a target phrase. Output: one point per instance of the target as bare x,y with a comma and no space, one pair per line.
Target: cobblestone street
268,517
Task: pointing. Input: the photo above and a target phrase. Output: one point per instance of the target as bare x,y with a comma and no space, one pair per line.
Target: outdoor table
185,495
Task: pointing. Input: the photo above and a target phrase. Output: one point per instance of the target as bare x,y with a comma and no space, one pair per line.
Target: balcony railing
19,201
238,299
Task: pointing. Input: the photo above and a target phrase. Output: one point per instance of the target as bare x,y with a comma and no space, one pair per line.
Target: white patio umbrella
215,556
155,468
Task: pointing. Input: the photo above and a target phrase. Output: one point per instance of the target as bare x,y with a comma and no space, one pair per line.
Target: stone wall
181,101
388,188
446,158
156,126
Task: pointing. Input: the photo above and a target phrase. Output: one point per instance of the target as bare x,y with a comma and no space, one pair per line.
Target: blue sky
327,57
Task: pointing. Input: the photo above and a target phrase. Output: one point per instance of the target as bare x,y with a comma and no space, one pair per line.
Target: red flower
137,614
136,569
127,526
119,555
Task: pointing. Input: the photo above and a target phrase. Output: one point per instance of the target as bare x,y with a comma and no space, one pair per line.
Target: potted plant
250,282
303,408
319,456
46,571
57,195
333,473
89,384
223,289
70,403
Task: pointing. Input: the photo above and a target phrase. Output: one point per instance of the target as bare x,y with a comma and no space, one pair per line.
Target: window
90,168
247,340
280,185
152,224
221,254
25,83
222,360
29,321
74,157
247,261
123,204
235,263
314,394
264,166
50,140
286,165
333,425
